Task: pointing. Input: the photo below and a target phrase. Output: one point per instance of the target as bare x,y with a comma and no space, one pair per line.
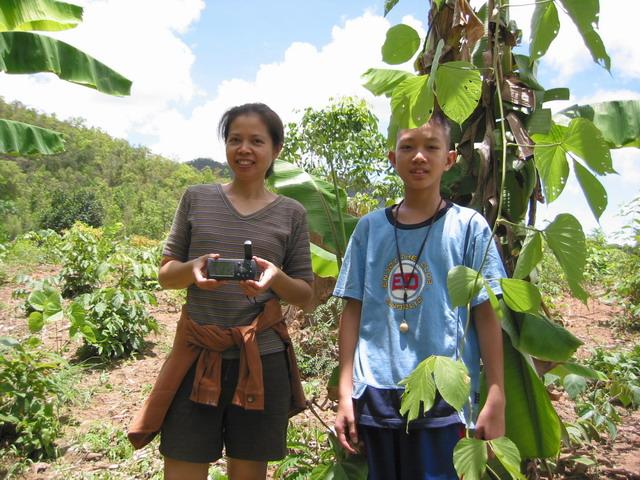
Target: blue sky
191,59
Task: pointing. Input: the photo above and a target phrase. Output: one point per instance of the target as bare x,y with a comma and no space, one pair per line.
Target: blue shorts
422,454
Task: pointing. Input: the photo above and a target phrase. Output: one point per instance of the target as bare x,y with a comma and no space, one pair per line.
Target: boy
397,313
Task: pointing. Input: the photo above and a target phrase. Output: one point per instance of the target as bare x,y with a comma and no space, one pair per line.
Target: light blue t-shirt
370,273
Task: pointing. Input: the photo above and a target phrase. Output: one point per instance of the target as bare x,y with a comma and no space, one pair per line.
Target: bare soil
112,393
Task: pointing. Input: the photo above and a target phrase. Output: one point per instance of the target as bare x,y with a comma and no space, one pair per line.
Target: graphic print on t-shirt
415,279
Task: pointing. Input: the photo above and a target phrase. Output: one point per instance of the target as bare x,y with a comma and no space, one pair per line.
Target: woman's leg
246,469
179,470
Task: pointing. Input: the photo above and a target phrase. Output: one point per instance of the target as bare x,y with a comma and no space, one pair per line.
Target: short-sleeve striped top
206,222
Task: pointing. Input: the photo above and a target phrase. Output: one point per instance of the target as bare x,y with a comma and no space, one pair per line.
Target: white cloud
138,39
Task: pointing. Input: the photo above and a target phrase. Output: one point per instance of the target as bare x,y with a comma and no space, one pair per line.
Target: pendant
404,327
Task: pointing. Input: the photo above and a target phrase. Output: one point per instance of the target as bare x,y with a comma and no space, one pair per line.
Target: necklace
404,326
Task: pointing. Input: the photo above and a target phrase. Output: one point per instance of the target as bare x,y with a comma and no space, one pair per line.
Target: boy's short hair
441,120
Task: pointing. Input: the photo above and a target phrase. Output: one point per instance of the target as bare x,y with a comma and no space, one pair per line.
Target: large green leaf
411,106
584,14
592,188
520,295
565,369
324,263
567,242
530,255
470,458
531,421
508,455
38,15
458,88
544,29
551,161
35,322
23,139
544,339
420,389
452,381
319,200
463,284
401,44
618,120
24,52
527,72
381,81
585,140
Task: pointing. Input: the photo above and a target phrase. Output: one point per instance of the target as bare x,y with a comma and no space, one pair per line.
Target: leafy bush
31,398
113,322
317,350
68,207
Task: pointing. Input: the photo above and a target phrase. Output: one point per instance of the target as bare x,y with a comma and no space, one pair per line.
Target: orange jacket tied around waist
204,344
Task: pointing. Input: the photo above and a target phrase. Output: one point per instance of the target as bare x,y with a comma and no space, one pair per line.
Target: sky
190,60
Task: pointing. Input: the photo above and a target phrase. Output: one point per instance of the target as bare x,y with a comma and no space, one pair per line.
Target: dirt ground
111,395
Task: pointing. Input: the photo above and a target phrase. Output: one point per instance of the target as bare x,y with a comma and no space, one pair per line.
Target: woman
213,221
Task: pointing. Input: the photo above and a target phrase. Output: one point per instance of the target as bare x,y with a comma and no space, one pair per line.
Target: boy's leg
179,470
427,454
246,469
381,449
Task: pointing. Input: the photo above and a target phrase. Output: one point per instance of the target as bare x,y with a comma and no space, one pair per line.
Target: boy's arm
490,422
347,339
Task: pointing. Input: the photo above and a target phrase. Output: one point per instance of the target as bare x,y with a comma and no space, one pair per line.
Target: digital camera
234,268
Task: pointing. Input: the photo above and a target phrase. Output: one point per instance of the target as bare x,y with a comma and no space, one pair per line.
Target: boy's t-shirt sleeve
350,282
493,268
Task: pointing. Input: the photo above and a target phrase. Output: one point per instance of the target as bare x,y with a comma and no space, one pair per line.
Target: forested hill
100,179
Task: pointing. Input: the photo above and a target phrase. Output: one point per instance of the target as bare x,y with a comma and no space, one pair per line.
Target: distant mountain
218,168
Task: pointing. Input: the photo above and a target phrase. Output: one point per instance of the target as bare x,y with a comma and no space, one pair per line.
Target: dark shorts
194,432
423,454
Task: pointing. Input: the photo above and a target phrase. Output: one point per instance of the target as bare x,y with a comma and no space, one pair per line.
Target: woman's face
250,150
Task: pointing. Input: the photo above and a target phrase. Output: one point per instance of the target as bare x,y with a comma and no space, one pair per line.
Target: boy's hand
490,424
346,426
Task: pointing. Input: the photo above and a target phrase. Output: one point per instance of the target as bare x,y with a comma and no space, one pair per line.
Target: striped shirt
206,222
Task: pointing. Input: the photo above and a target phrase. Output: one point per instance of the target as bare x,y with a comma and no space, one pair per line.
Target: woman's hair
270,119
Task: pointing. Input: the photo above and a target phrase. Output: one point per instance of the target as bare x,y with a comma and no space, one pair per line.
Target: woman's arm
294,291
177,275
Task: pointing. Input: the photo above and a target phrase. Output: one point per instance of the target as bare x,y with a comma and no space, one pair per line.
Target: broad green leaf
38,299
35,322
508,455
320,202
584,14
412,102
574,385
520,295
531,421
452,381
539,121
19,138
592,188
517,189
470,458
618,120
458,88
38,15
527,72
381,81
551,161
565,369
463,284
24,52
567,242
401,44
420,388
556,94
544,29
388,6
324,263
585,140
544,339
530,255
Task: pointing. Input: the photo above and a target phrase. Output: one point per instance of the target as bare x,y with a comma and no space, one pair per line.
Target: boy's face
422,156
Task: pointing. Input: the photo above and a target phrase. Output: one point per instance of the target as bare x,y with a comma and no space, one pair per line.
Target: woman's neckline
239,214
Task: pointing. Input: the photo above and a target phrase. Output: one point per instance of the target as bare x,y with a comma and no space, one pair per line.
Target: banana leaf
24,139
48,15
318,197
25,52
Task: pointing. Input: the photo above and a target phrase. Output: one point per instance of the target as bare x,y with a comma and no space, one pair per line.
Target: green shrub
68,207
317,347
82,261
32,395
113,322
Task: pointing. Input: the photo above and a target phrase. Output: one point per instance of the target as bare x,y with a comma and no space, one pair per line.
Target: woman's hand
199,271
253,288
